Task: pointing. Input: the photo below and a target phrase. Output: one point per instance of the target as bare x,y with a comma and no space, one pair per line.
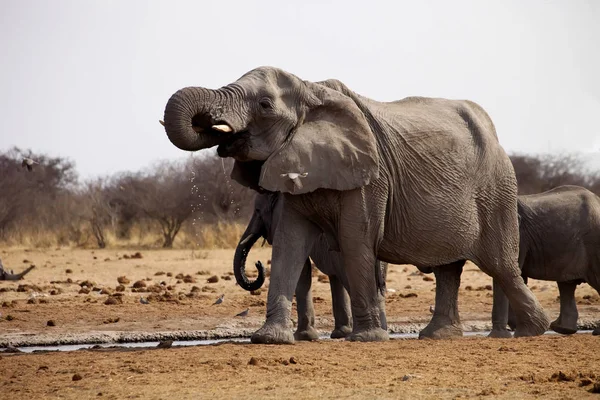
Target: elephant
420,181
263,223
559,241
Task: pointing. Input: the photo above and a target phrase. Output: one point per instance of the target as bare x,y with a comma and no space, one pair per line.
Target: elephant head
285,134
262,225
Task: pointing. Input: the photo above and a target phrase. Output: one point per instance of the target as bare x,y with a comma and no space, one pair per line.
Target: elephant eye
265,104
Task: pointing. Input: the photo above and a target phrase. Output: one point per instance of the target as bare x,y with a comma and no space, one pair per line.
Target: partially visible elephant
420,181
559,241
10,276
263,224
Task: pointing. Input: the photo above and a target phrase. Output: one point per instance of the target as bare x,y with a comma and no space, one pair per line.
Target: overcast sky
89,79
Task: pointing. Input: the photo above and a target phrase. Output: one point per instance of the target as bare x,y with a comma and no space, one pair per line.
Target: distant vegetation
191,204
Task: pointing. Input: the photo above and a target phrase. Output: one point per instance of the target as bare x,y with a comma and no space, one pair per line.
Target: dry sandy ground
469,367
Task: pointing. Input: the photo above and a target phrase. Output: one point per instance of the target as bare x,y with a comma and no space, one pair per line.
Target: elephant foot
563,329
535,325
341,332
272,334
596,332
370,335
441,332
497,333
310,334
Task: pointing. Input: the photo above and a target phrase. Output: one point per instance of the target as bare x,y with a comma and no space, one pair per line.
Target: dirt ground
51,306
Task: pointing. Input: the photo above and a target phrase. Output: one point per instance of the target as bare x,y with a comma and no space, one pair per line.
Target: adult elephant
418,181
263,223
559,241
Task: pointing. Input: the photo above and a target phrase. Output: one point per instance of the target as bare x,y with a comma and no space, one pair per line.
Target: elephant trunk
6,276
250,236
190,116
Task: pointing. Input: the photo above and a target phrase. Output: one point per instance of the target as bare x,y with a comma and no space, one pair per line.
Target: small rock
84,290
77,377
159,273
137,255
253,361
32,300
113,301
256,292
189,279
585,382
179,276
120,288
106,291
123,280
169,274
408,295
9,317
68,271
139,284
213,279
203,272
293,360
195,289
226,277
50,323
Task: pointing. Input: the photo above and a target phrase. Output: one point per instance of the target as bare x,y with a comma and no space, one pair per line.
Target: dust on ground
81,295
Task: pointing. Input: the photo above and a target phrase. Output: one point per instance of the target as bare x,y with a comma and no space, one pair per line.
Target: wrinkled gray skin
264,220
559,241
419,181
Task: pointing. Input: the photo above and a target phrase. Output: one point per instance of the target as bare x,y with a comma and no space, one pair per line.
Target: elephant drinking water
420,181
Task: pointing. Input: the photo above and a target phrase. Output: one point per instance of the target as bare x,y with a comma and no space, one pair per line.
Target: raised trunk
251,235
189,116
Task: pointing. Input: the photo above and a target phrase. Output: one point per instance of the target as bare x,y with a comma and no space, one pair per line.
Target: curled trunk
250,236
188,119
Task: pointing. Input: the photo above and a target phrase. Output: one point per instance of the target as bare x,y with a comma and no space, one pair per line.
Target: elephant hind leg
306,311
566,323
341,308
445,322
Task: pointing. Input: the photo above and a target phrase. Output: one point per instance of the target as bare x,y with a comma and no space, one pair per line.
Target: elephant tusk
222,128
161,122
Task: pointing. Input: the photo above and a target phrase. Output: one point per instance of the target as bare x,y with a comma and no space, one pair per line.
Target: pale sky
89,80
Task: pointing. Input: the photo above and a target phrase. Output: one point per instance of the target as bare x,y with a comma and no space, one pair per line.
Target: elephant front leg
306,310
500,314
445,322
566,323
294,238
341,308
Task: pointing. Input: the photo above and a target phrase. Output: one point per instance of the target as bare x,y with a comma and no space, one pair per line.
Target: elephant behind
559,241
263,223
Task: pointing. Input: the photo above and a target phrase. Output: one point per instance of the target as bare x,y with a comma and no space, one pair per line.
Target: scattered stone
107,259
84,290
195,289
169,274
468,288
68,271
293,360
154,289
428,279
137,255
213,279
25,261
77,377
88,284
407,287
203,272
189,279
32,300
226,277
408,295
113,300
561,377
179,276
164,344
253,361
106,291
256,292
55,292
123,280
160,273
51,322
139,284
120,288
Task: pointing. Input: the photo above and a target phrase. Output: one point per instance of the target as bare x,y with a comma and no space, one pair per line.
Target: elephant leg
445,322
512,319
341,308
306,310
503,268
500,314
566,323
293,240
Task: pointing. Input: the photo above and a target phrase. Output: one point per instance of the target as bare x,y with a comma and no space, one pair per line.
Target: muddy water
182,343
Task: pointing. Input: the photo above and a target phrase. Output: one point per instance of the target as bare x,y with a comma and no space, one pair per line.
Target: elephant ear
333,148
